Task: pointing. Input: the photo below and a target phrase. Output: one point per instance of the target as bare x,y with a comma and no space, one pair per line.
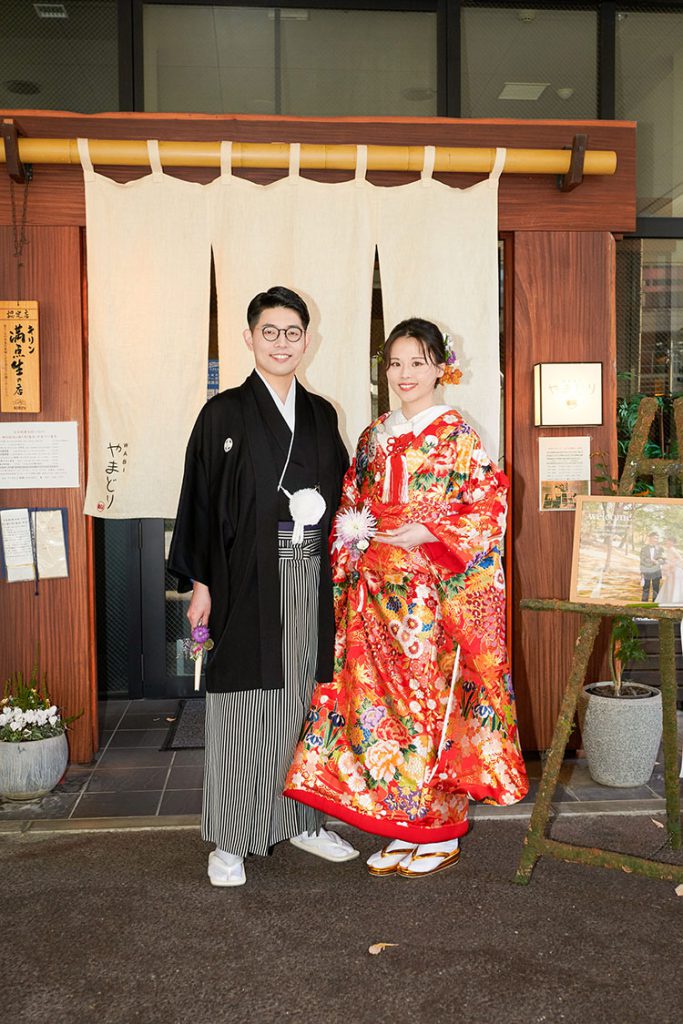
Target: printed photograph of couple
561,495
628,550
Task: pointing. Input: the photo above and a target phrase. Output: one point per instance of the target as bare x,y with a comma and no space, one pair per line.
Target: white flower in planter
26,711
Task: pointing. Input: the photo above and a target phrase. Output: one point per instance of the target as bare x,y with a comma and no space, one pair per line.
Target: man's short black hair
274,297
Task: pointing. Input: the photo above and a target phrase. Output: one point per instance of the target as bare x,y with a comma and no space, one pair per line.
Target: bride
671,591
420,716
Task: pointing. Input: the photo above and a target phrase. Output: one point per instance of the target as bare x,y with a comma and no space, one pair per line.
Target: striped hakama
251,735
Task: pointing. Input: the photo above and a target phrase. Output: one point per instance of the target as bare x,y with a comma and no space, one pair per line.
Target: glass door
167,671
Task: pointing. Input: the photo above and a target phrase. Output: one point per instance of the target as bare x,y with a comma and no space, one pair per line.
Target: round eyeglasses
272,333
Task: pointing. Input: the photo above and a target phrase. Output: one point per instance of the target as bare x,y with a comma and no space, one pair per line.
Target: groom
265,595
651,558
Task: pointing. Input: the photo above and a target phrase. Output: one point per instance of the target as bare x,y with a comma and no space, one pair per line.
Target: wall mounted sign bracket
574,176
19,172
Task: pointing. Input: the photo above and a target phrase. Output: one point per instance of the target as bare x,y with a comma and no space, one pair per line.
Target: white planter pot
31,770
621,736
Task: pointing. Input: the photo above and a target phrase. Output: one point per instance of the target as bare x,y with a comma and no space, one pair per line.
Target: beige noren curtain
149,244
438,259
148,323
318,239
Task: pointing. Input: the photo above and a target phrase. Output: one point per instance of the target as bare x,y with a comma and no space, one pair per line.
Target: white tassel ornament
307,507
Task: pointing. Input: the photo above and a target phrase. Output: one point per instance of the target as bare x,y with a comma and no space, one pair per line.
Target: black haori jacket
226,532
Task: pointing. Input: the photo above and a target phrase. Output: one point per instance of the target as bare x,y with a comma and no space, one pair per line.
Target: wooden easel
536,842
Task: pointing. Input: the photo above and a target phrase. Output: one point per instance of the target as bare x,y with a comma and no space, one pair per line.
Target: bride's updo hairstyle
425,332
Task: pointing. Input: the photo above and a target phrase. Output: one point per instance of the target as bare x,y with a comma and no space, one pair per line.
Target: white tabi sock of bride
447,847
399,844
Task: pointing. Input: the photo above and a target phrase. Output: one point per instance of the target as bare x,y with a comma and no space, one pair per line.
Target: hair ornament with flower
452,373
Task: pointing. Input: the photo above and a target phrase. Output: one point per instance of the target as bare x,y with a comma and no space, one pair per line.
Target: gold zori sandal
446,860
393,858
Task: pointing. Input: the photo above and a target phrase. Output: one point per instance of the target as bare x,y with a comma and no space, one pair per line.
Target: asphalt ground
122,927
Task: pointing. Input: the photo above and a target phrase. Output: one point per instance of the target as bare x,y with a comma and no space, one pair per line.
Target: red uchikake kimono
380,748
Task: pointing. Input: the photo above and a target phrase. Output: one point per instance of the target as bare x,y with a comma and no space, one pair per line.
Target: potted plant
621,721
33,746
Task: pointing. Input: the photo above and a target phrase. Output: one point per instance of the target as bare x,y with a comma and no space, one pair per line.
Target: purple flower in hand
199,641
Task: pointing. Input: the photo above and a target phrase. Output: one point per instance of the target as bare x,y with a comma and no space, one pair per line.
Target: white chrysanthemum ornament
355,528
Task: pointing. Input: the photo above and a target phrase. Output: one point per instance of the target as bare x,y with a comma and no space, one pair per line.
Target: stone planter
31,770
621,735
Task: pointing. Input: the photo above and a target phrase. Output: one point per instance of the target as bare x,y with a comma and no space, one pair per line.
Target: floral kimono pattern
398,742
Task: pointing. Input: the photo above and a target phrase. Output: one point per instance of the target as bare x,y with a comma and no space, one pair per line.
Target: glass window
649,305
650,315
257,60
64,62
649,90
529,63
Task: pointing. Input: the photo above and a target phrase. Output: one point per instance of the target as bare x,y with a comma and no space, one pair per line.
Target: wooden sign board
19,357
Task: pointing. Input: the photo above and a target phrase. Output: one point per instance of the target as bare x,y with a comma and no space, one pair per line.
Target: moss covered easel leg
536,841
667,672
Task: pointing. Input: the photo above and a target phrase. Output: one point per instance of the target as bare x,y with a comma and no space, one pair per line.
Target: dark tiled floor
132,777
116,805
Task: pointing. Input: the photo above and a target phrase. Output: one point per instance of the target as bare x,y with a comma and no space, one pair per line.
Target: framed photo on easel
628,550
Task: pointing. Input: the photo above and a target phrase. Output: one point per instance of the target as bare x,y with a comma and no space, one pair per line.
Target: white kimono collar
287,409
397,424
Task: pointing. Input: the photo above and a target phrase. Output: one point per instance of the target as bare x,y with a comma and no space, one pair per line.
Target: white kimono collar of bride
396,423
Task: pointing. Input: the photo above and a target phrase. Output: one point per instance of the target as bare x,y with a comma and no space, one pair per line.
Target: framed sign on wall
19,357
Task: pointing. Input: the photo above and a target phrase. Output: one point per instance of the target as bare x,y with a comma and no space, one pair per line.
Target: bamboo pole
133,152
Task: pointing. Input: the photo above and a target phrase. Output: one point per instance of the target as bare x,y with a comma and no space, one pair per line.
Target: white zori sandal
327,845
387,860
429,858
226,869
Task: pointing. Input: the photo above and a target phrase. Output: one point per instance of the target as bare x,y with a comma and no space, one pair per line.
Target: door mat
187,732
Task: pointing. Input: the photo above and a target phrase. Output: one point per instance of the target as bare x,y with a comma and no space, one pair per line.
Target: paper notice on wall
17,544
33,537
50,541
38,455
564,471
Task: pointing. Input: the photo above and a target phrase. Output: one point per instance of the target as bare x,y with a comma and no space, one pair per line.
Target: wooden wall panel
563,310
60,616
526,202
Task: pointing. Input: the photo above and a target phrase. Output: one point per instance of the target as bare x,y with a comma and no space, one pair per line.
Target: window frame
132,43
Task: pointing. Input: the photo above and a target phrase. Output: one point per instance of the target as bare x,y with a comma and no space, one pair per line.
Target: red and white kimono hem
411,832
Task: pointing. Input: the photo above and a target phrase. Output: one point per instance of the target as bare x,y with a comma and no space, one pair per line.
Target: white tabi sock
399,844
231,859
447,847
